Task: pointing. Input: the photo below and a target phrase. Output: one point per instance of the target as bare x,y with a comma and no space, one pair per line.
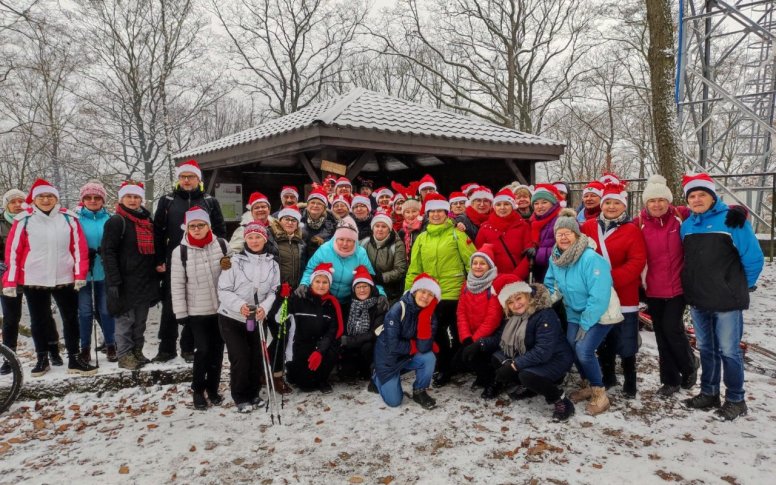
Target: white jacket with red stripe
45,250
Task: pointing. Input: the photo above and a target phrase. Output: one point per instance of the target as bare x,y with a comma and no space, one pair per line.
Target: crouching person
406,344
246,292
366,314
315,331
195,268
533,351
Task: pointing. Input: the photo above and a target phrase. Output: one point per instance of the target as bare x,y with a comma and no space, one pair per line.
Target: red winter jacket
480,315
665,255
512,233
627,256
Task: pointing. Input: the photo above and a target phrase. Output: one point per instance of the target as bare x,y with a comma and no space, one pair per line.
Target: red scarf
409,228
476,218
424,320
538,223
337,309
592,214
501,224
144,230
200,243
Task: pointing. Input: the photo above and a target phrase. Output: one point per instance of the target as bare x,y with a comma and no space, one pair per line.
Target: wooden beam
355,168
211,183
308,166
512,166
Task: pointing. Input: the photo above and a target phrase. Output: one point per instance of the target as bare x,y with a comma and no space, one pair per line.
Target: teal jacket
93,224
342,279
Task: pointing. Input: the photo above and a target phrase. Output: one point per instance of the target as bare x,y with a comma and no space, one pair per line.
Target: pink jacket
45,250
665,256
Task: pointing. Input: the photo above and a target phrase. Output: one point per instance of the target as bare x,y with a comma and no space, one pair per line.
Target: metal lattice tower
726,91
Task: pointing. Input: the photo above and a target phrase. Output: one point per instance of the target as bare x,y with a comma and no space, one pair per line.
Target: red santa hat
289,190
594,187
561,186
458,197
361,275
196,213
323,269
435,202
427,182
505,195
546,192
290,211
425,281
382,191
481,192
396,198
616,192
189,166
698,181
343,181
341,199
39,187
256,198
132,188
469,188
361,199
609,178
255,227
487,253
320,194
381,215
511,289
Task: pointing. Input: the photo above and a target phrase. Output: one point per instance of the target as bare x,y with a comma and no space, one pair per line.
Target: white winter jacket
251,274
195,292
238,238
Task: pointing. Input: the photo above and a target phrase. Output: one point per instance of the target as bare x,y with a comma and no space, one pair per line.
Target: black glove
471,351
529,252
3,268
345,340
467,341
113,293
378,279
182,321
301,291
752,289
736,216
92,256
506,374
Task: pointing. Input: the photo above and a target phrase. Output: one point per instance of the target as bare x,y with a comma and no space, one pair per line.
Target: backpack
185,255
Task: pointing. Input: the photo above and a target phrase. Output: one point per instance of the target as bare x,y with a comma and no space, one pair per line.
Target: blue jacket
392,348
586,286
720,262
343,269
93,224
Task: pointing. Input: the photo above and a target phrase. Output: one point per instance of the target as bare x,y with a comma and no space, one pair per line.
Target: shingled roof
360,114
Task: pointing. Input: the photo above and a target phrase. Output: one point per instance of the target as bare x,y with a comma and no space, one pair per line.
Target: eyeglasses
92,197
197,226
563,235
46,196
187,177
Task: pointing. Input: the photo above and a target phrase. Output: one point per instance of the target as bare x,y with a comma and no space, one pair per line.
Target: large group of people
509,284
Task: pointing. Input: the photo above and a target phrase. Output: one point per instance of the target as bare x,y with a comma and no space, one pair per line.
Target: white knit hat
11,195
657,189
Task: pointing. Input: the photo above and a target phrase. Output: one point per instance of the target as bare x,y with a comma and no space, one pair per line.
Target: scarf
476,218
410,227
501,224
525,213
478,285
592,213
316,224
200,243
358,319
144,228
513,338
337,309
538,222
572,254
612,224
8,217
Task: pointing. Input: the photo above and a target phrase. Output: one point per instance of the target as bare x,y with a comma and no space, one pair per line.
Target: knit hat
698,181
427,182
344,199
486,252
481,192
346,229
381,215
290,211
189,166
409,203
93,187
255,227
320,194
323,269
609,178
11,195
131,188
41,186
567,219
505,195
361,199
546,192
657,189
196,213
289,190
424,281
594,187
458,197
435,202
342,181
511,289
361,275
469,188
616,192
256,198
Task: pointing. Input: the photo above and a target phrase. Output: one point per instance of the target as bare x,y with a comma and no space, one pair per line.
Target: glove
113,293
413,347
79,284
467,341
3,268
344,340
225,262
378,279
506,374
529,252
470,352
317,240
314,361
9,291
736,216
182,321
301,291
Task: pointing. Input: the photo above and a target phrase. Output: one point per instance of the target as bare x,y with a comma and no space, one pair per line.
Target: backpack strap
184,260
222,242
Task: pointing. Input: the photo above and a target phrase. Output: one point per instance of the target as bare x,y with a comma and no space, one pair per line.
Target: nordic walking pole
270,381
94,310
267,372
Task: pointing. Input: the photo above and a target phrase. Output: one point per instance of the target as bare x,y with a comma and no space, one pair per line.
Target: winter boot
5,369
129,362
280,384
41,366
138,353
76,365
257,402
200,403
164,357
188,357
372,387
85,354
629,373
478,384
564,409
584,392
731,410
244,407
521,392
598,403
110,351
702,401
325,387
216,399
491,391
689,379
54,356
441,378
667,391
608,365
421,397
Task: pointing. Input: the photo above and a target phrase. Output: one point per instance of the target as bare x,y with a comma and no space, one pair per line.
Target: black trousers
209,355
244,350
300,374
540,385
481,366
673,347
357,361
447,334
12,315
168,325
41,321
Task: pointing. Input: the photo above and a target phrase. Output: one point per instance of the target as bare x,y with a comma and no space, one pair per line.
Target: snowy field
153,435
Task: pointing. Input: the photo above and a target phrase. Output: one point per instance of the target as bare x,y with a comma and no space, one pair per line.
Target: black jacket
713,277
170,214
376,317
133,273
321,235
364,227
315,325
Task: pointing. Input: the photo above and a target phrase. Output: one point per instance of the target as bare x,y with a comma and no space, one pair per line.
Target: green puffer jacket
390,261
443,252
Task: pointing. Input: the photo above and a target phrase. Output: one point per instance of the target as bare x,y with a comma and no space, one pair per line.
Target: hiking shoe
421,397
76,365
441,378
138,353
520,393
731,410
491,392
667,391
689,380
702,401
200,403
325,387
244,407
129,361
164,357
55,357
599,402
257,402
41,366
478,384
5,369
564,409
110,351
85,354
372,387
216,399
188,357
281,385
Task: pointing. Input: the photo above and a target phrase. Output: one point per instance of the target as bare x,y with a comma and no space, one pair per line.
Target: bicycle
10,384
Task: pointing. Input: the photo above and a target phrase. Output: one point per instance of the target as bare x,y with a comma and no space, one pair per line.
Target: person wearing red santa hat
406,344
259,210
591,201
457,204
509,235
340,206
477,212
47,256
385,250
383,196
563,189
318,223
361,207
467,189
189,191
289,195
427,186
546,206
343,186
290,245
621,243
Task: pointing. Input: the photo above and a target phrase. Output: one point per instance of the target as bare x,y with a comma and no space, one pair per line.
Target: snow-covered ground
153,435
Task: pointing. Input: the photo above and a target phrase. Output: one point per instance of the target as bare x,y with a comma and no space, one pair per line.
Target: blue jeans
422,364
86,311
584,351
719,338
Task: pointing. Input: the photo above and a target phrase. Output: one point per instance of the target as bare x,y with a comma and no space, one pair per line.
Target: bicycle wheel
10,384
